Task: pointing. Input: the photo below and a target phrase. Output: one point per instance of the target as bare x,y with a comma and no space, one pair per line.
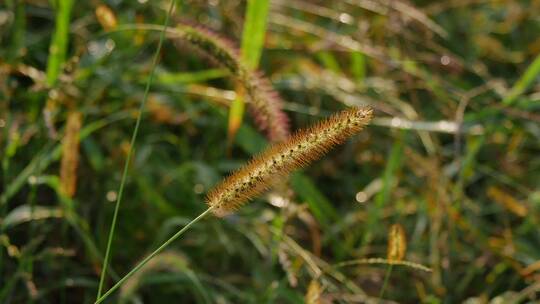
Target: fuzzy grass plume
281,159
265,103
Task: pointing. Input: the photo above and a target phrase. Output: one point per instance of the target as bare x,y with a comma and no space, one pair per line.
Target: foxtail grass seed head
282,158
264,102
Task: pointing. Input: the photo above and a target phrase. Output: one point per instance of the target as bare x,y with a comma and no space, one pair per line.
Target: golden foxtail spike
282,158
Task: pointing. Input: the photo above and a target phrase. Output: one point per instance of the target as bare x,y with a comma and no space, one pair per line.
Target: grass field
118,117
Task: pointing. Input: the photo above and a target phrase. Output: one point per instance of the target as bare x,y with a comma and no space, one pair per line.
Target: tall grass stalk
131,148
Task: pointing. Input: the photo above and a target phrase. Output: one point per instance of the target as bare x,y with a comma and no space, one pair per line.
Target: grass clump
98,123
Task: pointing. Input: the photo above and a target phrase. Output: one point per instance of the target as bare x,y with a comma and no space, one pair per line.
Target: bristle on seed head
279,160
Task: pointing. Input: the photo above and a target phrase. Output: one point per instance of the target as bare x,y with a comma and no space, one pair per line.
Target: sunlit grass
450,157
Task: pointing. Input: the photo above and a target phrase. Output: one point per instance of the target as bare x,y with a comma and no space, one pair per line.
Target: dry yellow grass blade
397,243
507,201
70,154
106,17
313,294
531,268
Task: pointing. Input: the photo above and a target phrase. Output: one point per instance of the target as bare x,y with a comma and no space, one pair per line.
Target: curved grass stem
131,148
151,255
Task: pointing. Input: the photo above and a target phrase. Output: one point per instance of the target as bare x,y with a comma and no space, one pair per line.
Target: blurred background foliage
448,171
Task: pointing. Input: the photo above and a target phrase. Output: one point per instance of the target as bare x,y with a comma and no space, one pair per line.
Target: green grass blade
389,176
236,115
318,203
254,31
251,49
131,148
190,77
524,82
59,42
16,47
329,61
358,66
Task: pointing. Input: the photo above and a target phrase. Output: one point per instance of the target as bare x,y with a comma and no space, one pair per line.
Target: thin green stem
386,278
131,148
153,254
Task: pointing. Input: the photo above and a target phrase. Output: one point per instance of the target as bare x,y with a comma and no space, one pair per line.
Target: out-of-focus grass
59,41
253,33
451,156
524,82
